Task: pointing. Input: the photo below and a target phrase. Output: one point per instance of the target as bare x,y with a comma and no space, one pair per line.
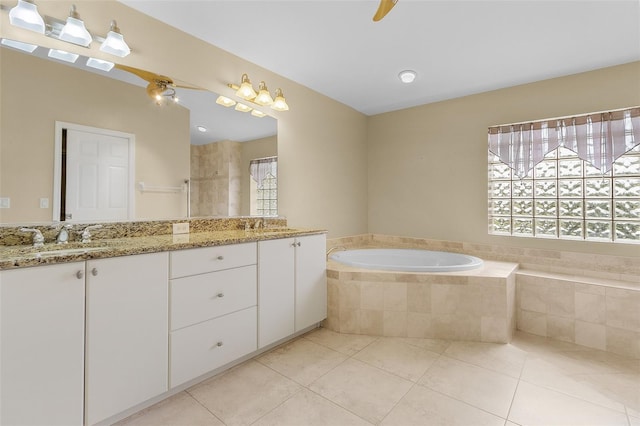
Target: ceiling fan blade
145,75
384,8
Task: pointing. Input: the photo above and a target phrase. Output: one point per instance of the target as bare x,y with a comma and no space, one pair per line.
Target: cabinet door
275,290
127,333
42,350
311,281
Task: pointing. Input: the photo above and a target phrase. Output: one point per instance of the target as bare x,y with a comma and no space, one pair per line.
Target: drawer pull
220,295
220,257
217,345
94,272
79,275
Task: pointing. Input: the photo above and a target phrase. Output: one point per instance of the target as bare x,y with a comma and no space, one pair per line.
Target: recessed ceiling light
407,76
201,129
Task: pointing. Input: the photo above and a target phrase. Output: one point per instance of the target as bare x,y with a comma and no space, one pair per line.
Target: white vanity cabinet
126,332
42,350
213,314
292,288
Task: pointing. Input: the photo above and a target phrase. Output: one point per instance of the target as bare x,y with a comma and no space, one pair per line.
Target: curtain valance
260,168
598,138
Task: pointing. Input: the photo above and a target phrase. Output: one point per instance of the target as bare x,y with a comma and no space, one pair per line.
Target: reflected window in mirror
264,186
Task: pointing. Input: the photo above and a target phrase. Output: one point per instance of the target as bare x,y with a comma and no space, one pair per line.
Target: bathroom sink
69,252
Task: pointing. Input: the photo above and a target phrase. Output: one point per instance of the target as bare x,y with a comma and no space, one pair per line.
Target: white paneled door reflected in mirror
189,155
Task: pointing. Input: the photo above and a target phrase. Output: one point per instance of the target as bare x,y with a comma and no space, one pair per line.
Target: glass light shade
100,64
63,56
242,107
263,97
225,102
26,47
279,103
75,32
115,45
245,91
258,114
25,15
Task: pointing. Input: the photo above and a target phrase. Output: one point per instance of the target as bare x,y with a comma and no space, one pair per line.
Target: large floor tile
362,389
180,409
542,372
245,393
407,361
310,409
591,362
433,345
535,405
474,385
302,360
348,344
624,388
422,406
506,359
634,421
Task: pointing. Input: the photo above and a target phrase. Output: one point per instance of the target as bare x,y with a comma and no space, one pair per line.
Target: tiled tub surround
476,305
592,300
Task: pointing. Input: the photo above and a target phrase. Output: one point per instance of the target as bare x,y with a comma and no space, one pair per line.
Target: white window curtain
260,168
597,138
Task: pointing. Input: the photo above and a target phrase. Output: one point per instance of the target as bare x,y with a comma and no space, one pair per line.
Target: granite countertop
19,256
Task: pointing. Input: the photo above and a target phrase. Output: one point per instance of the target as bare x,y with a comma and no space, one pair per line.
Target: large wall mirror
82,144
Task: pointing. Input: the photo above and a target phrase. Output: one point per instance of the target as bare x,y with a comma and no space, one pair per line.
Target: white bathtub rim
470,262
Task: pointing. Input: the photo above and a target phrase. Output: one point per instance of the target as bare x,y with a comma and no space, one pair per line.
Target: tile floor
326,378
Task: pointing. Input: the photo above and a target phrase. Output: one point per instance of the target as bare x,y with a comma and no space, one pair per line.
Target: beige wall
321,143
36,93
427,165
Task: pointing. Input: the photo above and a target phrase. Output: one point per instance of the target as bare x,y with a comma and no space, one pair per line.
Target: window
264,186
564,196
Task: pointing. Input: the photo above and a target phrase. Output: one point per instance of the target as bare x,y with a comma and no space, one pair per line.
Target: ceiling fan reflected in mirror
160,86
383,8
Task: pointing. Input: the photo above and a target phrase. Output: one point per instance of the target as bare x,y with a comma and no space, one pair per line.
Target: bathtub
394,292
407,260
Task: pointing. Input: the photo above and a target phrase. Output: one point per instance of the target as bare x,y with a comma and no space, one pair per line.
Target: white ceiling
456,47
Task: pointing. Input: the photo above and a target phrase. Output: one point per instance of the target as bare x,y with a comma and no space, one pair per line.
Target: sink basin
69,252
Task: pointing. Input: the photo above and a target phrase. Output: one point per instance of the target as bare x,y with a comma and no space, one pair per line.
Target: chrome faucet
38,238
334,249
63,233
86,234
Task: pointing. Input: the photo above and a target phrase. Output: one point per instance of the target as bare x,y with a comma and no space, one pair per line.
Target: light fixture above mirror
262,97
72,30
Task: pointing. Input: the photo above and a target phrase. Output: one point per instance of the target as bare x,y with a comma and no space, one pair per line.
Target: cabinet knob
79,275
220,257
219,344
298,244
220,295
94,272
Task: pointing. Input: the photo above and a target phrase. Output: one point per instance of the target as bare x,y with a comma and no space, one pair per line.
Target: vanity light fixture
242,107
100,64
279,103
407,76
63,55
225,102
74,30
262,97
25,15
114,43
26,47
245,91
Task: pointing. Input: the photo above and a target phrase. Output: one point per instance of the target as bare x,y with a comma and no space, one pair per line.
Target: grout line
204,406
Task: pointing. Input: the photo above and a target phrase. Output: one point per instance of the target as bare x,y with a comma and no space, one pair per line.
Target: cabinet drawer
204,347
210,259
206,296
